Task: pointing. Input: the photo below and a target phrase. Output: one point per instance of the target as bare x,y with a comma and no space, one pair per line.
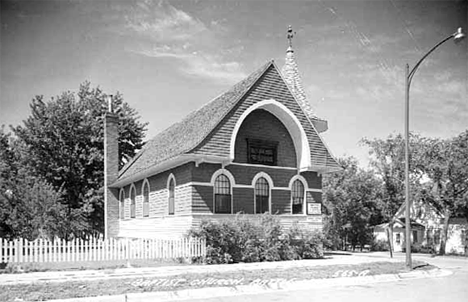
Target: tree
29,206
351,198
64,142
446,165
387,159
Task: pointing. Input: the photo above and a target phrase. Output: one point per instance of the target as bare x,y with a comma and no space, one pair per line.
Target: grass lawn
85,265
62,290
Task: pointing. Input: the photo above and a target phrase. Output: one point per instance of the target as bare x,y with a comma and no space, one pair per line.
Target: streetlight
457,36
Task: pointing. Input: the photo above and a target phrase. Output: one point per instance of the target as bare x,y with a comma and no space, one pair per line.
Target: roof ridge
252,78
263,69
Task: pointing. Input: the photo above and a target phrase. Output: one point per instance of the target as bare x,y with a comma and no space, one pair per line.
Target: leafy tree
351,199
64,146
446,164
387,159
29,206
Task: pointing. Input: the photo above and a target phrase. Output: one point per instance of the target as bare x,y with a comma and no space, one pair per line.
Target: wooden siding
243,200
280,201
156,227
202,199
262,125
314,181
270,86
245,174
286,220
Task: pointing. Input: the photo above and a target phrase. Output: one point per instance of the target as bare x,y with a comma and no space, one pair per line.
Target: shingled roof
176,142
188,133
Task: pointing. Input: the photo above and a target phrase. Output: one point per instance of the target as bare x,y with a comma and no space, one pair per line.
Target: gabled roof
188,133
172,146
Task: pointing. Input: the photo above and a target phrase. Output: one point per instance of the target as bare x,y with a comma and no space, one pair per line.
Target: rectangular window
223,203
261,152
415,236
398,238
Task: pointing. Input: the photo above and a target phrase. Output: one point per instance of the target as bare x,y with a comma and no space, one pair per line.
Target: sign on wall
314,208
261,152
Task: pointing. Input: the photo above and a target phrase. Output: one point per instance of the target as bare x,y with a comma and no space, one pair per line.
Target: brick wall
111,171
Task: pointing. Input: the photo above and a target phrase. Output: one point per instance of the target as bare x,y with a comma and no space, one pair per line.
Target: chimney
111,171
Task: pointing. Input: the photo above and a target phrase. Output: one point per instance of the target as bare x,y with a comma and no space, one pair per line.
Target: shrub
253,240
379,245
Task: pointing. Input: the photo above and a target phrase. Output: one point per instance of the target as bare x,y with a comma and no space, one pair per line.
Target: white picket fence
93,249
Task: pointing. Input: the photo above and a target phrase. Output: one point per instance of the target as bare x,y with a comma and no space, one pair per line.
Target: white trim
132,186
270,185
145,182
169,178
314,190
311,123
301,178
262,166
306,188
289,120
169,164
121,201
225,172
232,182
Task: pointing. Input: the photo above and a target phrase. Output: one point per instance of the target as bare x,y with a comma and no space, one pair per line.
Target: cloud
163,31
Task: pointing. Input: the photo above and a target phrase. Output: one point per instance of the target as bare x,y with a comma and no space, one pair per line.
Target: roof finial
290,35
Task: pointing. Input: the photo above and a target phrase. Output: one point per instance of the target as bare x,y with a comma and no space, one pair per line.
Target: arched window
222,194
297,196
122,203
146,191
171,189
132,200
262,194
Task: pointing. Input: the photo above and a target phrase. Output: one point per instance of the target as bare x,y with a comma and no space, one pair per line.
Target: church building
254,149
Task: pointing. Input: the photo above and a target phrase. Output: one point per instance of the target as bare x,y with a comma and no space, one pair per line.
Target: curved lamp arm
457,36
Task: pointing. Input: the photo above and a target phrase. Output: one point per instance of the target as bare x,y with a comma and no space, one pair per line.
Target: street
452,288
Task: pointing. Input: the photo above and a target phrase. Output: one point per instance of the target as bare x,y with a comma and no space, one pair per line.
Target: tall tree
446,164
351,198
387,159
64,141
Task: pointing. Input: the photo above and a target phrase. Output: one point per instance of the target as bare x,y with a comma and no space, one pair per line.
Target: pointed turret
292,77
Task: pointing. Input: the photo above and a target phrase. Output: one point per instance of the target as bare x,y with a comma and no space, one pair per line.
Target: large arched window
171,189
262,196
222,195
122,203
146,191
297,196
132,201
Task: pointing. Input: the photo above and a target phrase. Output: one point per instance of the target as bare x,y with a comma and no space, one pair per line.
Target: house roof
188,133
172,146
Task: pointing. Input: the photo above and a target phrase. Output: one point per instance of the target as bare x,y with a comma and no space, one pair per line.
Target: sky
168,58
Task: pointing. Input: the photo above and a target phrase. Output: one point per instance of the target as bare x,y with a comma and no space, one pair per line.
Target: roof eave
169,164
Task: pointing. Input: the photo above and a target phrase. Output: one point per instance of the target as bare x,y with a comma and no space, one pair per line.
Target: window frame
171,195
132,201
256,184
265,145
301,181
122,203
145,204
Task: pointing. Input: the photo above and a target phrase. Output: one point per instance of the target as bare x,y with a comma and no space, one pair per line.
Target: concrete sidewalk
86,275
252,289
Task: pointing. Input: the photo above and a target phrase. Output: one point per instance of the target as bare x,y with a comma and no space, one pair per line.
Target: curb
214,292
